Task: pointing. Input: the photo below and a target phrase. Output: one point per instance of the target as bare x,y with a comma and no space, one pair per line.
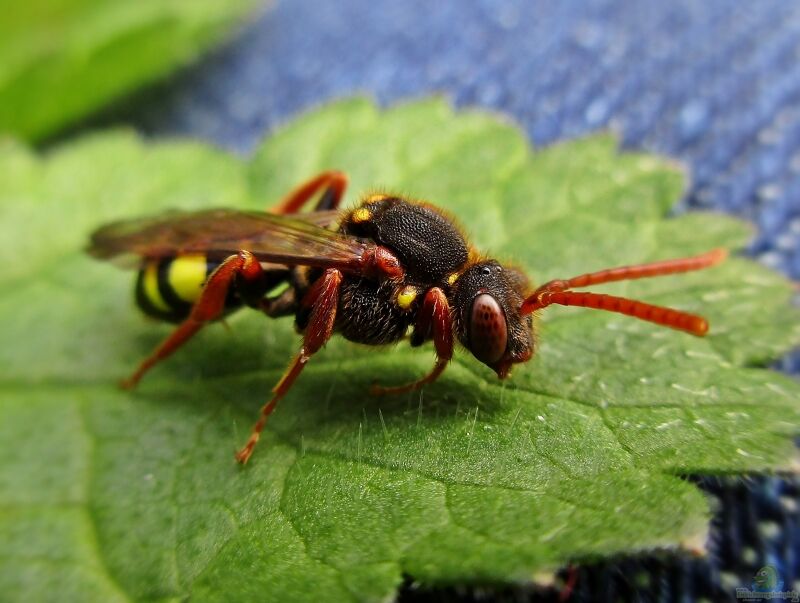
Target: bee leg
284,304
208,307
335,183
433,322
323,298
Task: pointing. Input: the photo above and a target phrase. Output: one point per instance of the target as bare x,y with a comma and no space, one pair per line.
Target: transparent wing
299,239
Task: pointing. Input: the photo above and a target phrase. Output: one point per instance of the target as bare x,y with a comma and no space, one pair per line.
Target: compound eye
488,333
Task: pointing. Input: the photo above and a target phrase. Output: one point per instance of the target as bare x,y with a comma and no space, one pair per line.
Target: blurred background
712,83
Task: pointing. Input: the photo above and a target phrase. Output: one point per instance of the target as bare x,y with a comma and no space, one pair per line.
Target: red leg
323,297
207,308
334,183
433,321
569,583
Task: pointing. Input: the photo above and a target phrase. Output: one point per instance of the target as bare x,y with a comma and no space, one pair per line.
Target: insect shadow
336,392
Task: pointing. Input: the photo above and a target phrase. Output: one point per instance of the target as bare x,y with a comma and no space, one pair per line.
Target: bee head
487,298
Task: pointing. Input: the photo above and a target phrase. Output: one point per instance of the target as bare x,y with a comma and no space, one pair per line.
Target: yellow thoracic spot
362,214
406,297
150,283
187,275
452,278
375,197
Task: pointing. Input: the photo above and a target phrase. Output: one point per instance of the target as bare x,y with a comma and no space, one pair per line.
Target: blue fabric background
714,83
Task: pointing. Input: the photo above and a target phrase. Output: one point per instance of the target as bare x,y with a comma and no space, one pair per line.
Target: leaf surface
135,496
60,60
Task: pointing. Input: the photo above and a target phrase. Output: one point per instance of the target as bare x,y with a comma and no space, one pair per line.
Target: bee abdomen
166,289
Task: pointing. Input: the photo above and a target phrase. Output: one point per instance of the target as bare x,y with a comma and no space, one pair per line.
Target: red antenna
558,292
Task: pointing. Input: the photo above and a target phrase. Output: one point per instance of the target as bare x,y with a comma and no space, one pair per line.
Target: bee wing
299,239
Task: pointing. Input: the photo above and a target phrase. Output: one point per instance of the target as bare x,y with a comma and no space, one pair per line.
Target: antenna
559,292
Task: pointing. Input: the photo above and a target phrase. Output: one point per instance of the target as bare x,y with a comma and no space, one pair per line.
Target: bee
374,273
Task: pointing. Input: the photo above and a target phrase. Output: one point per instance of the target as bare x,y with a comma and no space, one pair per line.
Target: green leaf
60,60
109,495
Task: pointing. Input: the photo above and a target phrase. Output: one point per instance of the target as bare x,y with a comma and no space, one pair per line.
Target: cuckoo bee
372,273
